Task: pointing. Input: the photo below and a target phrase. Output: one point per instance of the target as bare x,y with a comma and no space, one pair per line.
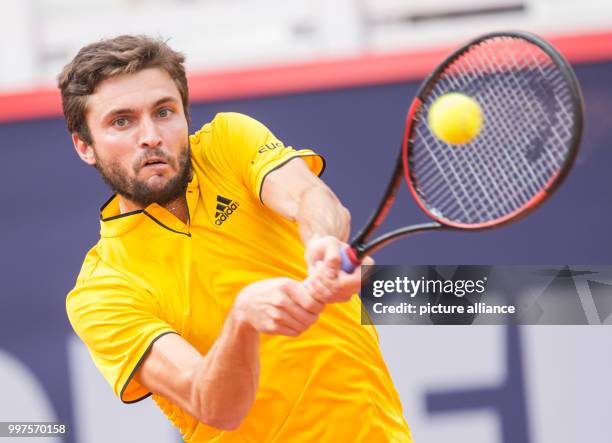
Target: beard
139,191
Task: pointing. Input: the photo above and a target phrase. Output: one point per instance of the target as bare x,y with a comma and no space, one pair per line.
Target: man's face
140,137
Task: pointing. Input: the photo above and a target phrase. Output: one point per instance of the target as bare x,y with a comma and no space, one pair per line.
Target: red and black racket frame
360,247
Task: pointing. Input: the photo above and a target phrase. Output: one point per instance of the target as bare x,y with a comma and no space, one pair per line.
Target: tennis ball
455,118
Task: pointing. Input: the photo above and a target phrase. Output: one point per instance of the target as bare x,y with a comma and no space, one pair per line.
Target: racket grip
349,260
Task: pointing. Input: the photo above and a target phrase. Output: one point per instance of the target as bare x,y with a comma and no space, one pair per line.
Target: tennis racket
533,117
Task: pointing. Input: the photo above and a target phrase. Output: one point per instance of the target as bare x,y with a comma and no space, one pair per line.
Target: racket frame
359,246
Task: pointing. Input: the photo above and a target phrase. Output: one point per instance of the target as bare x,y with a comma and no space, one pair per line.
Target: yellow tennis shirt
150,274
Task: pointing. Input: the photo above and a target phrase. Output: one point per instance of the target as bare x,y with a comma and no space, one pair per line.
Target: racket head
533,118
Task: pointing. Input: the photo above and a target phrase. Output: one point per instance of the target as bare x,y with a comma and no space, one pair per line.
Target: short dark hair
126,54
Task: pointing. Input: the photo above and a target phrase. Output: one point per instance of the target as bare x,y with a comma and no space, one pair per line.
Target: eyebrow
120,111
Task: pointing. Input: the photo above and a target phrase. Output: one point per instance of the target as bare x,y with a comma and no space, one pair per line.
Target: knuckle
283,285
347,297
280,301
288,285
270,326
334,257
323,294
313,283
312,305
273,315
311,319
322,298
325,291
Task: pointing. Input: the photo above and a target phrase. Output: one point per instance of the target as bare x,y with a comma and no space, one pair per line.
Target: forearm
225,381
220,387
320,213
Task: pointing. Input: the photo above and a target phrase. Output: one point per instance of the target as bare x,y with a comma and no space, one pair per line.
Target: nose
149,136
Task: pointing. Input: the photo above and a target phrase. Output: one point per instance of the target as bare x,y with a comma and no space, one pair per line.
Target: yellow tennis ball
455,118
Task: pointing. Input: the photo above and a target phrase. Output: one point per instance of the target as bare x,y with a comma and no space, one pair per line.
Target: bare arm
324,223
296,193
175,370
219,388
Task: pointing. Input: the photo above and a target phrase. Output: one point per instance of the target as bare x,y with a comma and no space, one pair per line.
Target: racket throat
369,248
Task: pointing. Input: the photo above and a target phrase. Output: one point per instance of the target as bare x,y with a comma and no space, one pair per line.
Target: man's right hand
277,306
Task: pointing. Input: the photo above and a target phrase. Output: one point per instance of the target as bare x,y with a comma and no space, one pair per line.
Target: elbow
224,423
221,409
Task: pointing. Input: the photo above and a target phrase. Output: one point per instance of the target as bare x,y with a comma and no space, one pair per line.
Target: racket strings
514,199
492,164
524,143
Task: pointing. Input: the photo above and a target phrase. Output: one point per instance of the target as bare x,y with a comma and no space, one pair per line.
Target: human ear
83,149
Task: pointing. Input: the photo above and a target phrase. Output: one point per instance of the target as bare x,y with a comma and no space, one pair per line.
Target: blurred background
336,76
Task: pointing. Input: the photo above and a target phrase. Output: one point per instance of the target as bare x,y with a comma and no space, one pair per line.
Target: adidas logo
225,208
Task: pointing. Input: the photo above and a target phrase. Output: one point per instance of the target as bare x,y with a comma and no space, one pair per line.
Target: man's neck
178,207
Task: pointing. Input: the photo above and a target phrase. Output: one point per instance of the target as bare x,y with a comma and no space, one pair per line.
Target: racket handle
350,262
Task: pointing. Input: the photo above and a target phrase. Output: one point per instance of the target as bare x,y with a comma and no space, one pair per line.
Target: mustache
149,154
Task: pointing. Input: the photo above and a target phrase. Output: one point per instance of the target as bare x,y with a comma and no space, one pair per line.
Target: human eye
120,122
164,112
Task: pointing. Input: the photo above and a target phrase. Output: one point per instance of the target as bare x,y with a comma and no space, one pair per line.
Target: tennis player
215,285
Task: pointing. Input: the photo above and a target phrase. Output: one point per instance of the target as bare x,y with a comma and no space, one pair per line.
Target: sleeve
251,151
118,324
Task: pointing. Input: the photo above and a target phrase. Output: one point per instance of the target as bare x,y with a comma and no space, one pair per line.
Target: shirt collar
113,223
